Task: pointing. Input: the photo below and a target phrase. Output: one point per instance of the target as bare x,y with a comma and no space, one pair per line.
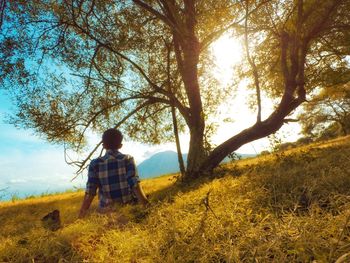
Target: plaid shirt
114,175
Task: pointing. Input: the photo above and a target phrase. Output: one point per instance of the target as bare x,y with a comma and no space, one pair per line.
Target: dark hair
112,139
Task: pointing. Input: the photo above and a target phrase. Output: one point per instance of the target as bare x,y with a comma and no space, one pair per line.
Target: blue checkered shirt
114,175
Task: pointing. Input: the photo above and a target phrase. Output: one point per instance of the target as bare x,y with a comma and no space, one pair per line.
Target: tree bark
294,94
177,141
187,50
257,131
196,153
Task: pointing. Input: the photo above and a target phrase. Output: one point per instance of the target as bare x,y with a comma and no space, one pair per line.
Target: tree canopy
145,66
327,115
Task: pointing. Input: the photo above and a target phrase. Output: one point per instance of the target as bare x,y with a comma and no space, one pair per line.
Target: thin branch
156,13
284,43
173,114
215,35
252,63
66,156
92,62
119,102
320,25
178,54
170,9
177,141
2,11
89,78
206,203
82,164
329,45
113,50
44,32
98,113
274,26
300,53
288,120
183,109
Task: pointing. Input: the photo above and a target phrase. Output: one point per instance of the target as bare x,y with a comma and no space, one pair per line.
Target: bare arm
141,197
91,187
85,205
134,182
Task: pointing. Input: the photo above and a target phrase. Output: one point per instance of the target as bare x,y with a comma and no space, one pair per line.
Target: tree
138,62
328,113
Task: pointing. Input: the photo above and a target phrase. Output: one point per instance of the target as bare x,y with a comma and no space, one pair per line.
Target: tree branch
252,63
82,164
316,30
2,11
173,115
170,9
293,77
215,35
184,110
109,47
156,13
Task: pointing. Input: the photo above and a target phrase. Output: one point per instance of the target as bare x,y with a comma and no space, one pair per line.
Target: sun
228,52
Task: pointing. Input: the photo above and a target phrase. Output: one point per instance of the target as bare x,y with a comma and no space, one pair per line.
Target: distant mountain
167,162
160,163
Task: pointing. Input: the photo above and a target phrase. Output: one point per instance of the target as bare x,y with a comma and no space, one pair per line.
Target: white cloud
36,171
140,151
16,181
9,133
30,165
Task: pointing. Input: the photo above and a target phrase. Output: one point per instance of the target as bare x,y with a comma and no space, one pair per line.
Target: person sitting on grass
114,175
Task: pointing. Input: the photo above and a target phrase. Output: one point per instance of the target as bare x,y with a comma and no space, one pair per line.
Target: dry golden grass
290,206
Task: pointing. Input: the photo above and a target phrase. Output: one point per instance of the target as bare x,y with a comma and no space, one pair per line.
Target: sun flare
228,52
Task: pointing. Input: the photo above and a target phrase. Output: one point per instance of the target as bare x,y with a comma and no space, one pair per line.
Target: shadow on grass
298,181
21,218
290,181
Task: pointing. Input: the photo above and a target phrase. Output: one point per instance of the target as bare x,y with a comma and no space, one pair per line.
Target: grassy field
291,206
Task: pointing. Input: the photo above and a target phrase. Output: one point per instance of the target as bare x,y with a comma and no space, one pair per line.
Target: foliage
327,115
287,207
275,141
95,68
79,66
289,145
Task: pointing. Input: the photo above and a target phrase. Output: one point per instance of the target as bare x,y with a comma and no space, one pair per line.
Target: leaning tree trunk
293,57
255,132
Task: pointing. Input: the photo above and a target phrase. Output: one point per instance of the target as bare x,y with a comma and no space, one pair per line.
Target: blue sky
31,166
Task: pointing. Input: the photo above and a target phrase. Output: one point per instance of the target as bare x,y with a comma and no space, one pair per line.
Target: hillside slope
291,206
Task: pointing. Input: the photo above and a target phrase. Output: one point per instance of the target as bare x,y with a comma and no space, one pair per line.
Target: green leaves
78,66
